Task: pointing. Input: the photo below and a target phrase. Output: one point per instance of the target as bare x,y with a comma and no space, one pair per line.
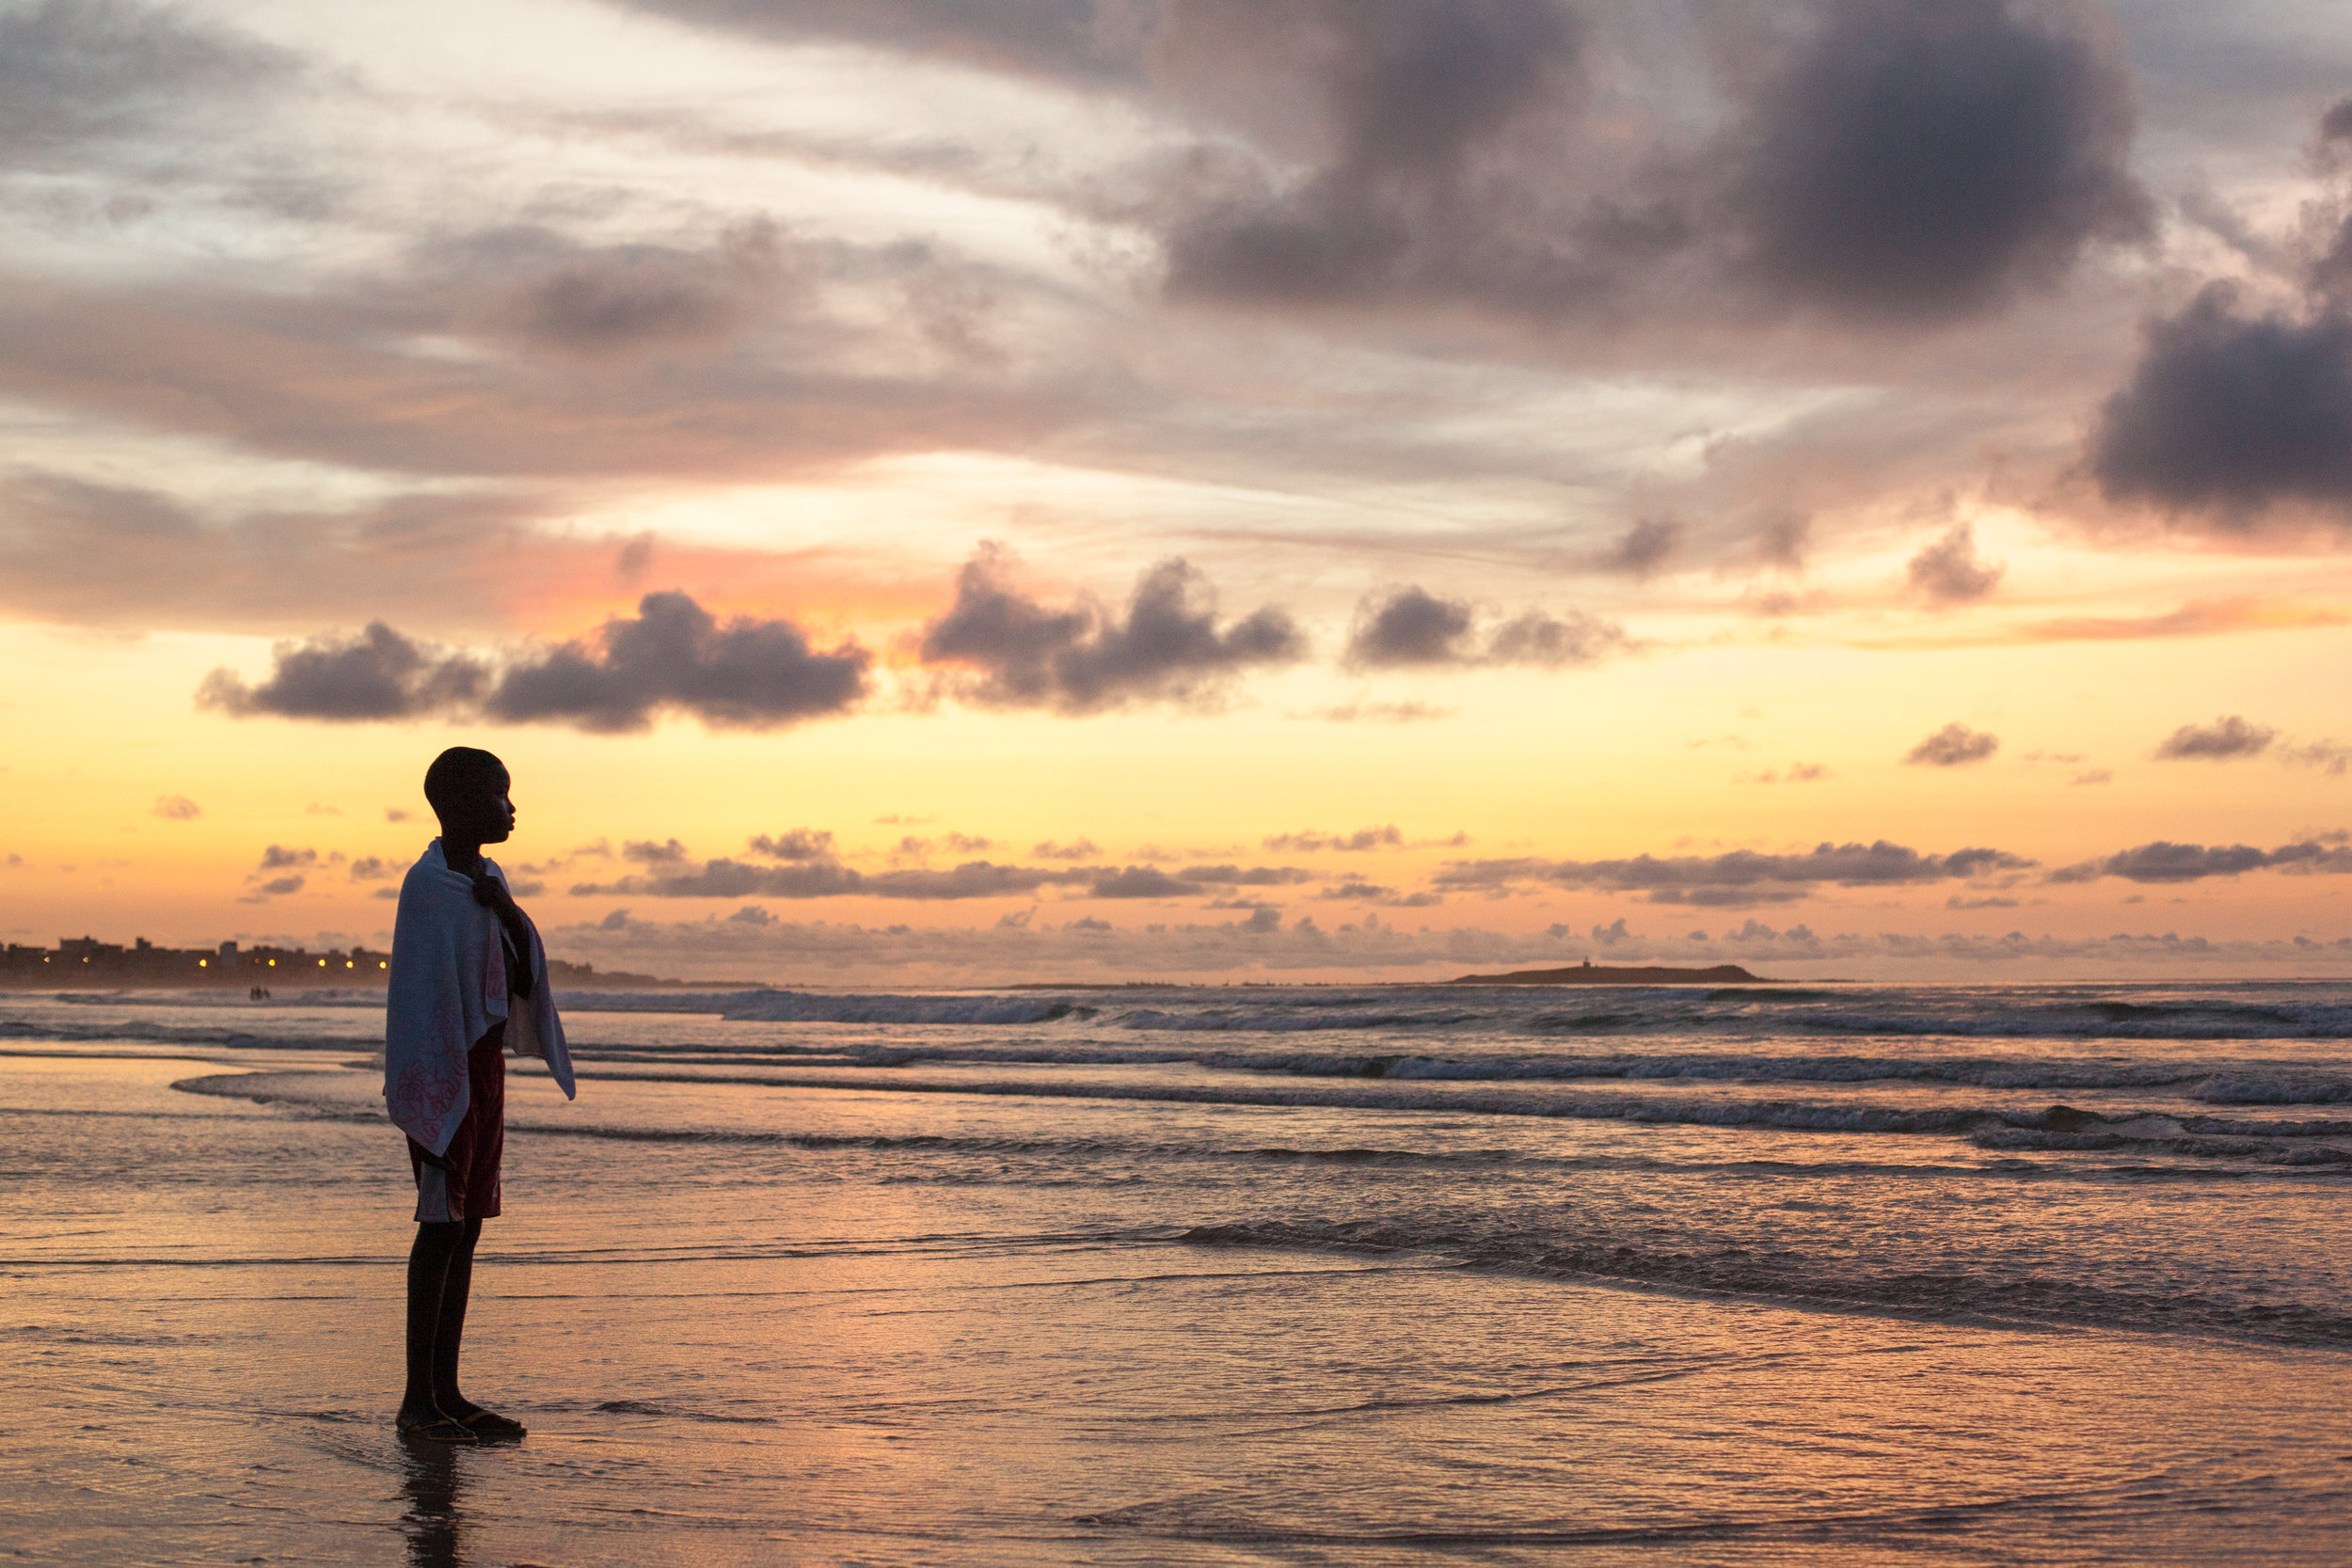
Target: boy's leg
430,1261
449,1331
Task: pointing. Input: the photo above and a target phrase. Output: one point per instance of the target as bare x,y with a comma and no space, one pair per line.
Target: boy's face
487,811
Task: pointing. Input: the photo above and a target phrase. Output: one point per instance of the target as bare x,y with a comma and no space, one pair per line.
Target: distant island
1587,974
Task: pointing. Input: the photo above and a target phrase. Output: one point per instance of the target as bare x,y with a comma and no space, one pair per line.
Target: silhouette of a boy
469,982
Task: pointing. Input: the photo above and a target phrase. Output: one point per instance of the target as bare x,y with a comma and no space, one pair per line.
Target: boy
468,981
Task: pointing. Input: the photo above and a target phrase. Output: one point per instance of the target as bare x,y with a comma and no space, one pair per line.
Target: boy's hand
491,893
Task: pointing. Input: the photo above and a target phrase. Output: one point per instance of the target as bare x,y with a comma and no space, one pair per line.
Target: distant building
79,963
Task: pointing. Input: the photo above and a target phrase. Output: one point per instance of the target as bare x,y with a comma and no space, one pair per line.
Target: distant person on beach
469,983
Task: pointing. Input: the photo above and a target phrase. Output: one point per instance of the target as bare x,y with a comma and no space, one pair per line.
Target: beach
1315,1275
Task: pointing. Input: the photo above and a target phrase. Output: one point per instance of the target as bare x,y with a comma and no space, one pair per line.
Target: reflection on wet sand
433,1484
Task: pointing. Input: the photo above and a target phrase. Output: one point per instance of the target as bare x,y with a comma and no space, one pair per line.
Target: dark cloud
1416,95
377,675
1950,571
1411,627
74,72
801,844
1014,652
1953,746
2228,413
2230,737
971,879
2163,862
1920,159
1309,842
1742,876
1142,882
175,808
1247,875
373,868
652,856
744,674
278,858
1077,849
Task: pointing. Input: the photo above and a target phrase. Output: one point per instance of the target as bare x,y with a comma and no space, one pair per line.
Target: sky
929,492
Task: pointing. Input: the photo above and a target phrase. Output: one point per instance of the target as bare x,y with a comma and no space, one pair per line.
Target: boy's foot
490,1427
436,1427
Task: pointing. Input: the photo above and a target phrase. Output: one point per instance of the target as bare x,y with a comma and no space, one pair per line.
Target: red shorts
464,1183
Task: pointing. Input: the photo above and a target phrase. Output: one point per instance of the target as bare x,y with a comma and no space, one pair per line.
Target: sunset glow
1004,498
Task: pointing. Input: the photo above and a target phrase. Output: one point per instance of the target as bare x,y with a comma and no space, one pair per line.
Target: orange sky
1130,461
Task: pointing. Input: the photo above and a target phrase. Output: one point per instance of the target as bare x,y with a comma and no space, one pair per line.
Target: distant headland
1589,975
84,963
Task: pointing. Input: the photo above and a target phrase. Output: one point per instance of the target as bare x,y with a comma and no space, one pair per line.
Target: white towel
449,986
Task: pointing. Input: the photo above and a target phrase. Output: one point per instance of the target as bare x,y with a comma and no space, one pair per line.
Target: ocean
1232,1275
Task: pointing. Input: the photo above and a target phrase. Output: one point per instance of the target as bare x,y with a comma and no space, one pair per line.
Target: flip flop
441,1429
488,1425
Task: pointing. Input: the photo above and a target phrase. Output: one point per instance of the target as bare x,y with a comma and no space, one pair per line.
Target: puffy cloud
175,808
1741,876
2228,413
1077,849
2230,737
1953,746
1014,652
2162,861
1920,159
801,844
654,857
377,675
743,673
278,858
1949,571
373,868
1409,626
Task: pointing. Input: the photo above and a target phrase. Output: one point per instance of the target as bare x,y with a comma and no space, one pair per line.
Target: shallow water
1211,1276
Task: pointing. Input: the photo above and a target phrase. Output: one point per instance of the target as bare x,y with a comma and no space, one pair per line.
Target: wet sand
861,1361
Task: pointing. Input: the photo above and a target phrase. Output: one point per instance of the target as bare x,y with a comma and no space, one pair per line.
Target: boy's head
467,788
